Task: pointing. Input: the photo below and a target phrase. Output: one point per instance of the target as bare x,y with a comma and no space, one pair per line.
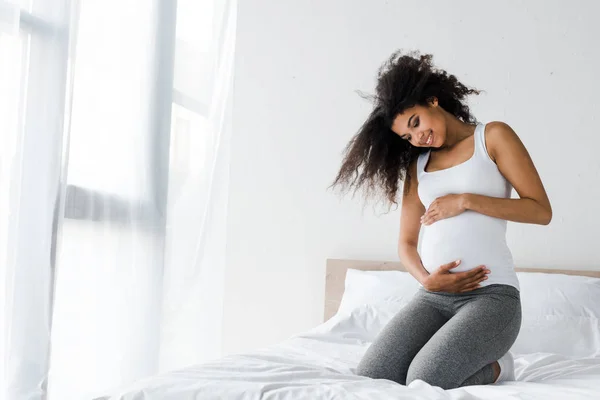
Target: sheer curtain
34,39
113,190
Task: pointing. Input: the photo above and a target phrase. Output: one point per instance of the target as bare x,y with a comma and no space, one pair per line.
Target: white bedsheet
320,365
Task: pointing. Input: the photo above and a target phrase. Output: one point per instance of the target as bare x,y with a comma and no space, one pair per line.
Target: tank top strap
480,148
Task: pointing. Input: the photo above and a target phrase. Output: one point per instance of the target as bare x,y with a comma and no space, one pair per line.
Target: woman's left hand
444,207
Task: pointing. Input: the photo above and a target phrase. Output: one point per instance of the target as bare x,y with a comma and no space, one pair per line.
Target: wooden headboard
336,276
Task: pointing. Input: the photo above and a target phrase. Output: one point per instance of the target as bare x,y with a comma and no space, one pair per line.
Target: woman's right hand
442,280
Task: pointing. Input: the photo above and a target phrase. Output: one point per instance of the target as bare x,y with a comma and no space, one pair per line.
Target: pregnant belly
475,239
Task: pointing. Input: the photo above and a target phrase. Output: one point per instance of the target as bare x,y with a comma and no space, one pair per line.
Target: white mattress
320,365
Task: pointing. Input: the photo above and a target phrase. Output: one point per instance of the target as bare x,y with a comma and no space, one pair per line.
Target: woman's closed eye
409,137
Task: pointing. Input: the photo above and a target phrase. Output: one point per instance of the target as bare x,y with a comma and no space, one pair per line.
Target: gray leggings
446,339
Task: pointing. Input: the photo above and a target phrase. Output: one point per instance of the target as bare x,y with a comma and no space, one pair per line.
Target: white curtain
114,123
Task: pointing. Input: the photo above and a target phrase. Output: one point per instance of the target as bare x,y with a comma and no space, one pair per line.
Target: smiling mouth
429,139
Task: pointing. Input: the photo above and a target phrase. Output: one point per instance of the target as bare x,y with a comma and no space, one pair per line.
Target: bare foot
496,368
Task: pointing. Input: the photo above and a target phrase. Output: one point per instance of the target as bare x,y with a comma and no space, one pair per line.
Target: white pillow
362,323
370,287
561,314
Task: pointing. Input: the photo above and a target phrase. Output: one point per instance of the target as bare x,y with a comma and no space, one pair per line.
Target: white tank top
474,238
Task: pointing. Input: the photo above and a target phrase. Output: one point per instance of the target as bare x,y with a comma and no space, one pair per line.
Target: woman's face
422,126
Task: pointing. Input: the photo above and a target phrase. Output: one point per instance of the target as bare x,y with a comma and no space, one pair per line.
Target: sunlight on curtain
33,59
109,265
198,183
11,50
114,155
142,243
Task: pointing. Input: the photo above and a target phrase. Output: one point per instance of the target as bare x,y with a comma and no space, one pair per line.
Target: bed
557,354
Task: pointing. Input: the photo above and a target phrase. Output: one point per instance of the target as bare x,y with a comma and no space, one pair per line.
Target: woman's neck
456,131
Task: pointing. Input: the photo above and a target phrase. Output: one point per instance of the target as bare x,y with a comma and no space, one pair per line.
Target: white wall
298,64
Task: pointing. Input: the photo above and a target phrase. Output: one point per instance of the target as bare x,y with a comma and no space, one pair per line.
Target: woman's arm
517,210
514,162
411,210
510,155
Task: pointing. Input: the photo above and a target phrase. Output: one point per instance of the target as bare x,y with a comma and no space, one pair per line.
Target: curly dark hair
376,159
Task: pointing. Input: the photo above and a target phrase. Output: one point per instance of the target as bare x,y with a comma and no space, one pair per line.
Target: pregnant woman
458,175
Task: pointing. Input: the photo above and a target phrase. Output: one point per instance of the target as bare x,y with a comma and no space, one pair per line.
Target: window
112,85
113,115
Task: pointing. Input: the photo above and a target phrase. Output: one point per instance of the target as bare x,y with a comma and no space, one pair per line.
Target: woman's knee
376,365
378,370
431,372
